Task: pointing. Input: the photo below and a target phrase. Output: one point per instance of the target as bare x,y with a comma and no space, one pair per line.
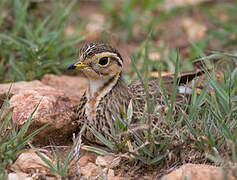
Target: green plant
187,132
12,140
148,142
126,15
225,28
61,166
34,45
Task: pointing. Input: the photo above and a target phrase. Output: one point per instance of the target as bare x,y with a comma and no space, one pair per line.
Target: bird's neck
102,87
97,90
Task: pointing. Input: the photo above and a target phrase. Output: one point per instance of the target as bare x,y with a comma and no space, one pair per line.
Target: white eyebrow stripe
120,61
108,54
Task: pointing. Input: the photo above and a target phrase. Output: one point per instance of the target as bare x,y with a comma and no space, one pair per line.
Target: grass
59,166
126,18
33,46
13,139
226,28
206,126
33,43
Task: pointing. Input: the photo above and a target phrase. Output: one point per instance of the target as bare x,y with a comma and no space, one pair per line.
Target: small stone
18,176
89,170
87,158
197,172
105,160
110,174
30,162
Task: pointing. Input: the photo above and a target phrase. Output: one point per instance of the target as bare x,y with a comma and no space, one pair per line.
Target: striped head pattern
98,61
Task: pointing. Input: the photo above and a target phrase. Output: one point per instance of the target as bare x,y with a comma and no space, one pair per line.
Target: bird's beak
77,65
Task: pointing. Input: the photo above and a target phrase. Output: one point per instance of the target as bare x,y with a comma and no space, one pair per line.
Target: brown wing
155,91
80,110
168,80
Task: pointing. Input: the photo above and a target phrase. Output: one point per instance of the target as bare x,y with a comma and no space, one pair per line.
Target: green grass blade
26,139
158,158
102,139
25,127
18,70
49,163
96,150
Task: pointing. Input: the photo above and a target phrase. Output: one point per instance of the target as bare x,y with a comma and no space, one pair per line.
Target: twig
77,148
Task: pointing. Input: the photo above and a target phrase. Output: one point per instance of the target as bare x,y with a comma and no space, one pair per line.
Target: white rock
18,176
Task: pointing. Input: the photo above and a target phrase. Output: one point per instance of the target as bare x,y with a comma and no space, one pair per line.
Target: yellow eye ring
103,61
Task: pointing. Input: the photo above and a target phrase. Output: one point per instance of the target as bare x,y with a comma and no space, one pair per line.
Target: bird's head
98,61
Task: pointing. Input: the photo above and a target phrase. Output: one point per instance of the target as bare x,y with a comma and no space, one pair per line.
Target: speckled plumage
116,94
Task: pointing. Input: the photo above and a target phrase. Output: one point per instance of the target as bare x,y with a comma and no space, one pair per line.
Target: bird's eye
103,61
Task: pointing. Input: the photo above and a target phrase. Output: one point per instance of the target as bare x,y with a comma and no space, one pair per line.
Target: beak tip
71,67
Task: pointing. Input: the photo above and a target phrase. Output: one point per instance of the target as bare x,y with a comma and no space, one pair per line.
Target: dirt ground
176,33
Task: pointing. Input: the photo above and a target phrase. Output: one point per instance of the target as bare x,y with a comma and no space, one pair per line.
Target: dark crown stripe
90,49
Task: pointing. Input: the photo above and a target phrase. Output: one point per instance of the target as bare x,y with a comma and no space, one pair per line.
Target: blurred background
39,36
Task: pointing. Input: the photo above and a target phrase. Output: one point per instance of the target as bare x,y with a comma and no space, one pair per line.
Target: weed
12,139
32,46
188,131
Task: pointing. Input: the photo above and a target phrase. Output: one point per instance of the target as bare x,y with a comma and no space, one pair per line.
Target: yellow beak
77,65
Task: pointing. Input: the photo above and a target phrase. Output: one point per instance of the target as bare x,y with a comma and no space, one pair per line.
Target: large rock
17,87
198,172
72,86
55,108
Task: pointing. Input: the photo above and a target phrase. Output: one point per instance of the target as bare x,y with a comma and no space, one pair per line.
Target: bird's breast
95,93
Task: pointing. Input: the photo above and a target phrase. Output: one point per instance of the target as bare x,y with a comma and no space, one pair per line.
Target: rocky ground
57,95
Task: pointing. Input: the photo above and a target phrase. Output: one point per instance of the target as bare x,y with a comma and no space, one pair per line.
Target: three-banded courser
108,95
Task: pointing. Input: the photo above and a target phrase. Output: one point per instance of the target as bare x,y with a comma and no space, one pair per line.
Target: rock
197,172
72,86
30,162
18,176
87,158
55,109
89,170
111,176
17,87
118,178
108,161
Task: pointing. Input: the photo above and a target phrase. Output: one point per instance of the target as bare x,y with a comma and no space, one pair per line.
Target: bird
109,96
